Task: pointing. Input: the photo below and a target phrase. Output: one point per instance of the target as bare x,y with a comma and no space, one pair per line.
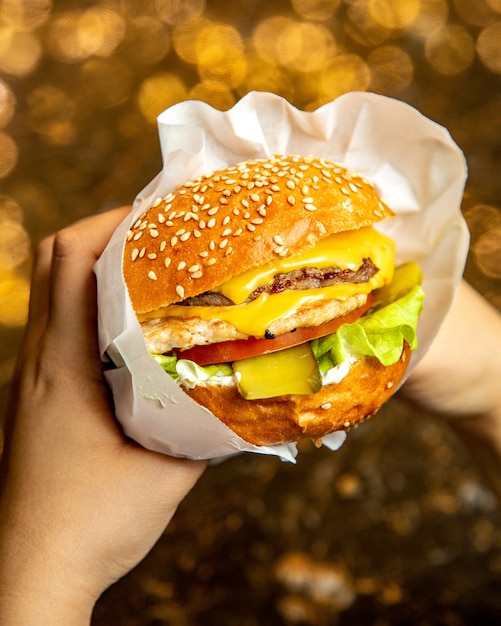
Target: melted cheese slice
344,250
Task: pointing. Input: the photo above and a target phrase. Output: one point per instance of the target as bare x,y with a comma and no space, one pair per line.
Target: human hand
79,504
459,379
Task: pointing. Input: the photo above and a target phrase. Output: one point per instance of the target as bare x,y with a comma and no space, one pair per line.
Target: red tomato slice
228,351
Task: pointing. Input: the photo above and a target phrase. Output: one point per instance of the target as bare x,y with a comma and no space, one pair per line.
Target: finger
39,290
72,313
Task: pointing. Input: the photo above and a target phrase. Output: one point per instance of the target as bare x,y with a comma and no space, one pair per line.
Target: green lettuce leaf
380,334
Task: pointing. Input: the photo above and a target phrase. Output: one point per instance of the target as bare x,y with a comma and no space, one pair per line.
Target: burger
267,292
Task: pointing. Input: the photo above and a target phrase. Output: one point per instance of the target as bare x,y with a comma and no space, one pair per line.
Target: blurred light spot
320,10
495,5
50,113
220,54
474,12
10,211
487,253
27,15
147,40
450,50
159,92
14,300
20,51
8,155
77,35
177,11
305,47
360,26
263,76
392,70
489,47
481,218
216,94
347,72
109,81
14,244
432,15
394,13
184,38
267,35
7,104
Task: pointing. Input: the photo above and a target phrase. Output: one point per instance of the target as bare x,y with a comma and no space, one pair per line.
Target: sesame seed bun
221,224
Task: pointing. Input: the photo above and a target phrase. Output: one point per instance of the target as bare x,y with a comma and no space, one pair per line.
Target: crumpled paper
417,168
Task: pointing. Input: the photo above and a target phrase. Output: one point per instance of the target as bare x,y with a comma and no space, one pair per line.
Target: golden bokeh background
81,84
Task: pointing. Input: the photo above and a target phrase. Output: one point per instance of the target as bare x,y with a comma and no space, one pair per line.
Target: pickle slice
405,277
289,371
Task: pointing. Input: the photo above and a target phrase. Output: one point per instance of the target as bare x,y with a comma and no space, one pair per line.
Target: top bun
221,224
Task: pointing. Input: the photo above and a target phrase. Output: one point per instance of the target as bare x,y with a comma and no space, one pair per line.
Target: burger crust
338,406
221,224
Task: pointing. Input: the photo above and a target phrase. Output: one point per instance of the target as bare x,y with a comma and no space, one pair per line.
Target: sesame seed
212,245
326,406
152,275
353,187
237,232
181,265
275,188
326,173
211,261
138,235
257,221
269,200
262,210
278,240
138,223
245,203
197,233
163,245
193,268
223,200
251,228
134,254
167,261
142,252
161,218
255,197
291,200
226,220
223,244
198,274
185,236
152,256
213,211
310,207
203,254
291,184
305,189
308,200
180,291
173,241
347,424
226,232
345,191
211,223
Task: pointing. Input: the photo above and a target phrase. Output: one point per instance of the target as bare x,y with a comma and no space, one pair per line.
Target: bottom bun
289,418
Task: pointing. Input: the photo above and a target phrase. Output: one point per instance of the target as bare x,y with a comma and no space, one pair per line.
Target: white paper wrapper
418,170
